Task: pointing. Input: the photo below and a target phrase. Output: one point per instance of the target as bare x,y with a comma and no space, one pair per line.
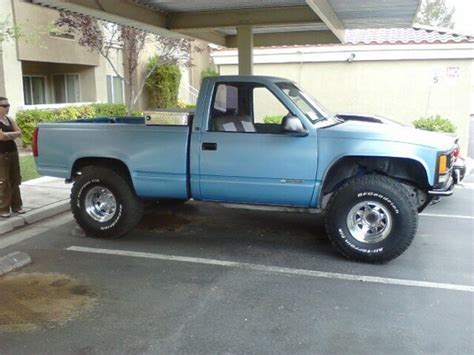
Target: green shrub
184,104
208,72
105,110
28,120
162,84
74,112
435,124
137,114
272,119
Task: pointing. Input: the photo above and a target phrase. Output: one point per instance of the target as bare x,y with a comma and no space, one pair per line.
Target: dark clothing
10,180
7,146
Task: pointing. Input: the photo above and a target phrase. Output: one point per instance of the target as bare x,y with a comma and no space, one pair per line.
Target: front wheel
104,204
371,218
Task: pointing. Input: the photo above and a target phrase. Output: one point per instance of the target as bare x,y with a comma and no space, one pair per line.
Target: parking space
201,278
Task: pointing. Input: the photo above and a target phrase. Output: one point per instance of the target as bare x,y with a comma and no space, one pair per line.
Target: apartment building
51,69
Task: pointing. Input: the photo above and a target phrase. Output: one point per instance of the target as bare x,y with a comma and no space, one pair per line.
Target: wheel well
109,163
408,171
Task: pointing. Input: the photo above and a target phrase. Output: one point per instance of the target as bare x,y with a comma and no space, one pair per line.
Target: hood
358,129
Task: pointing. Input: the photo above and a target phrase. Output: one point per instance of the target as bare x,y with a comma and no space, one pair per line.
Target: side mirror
292,125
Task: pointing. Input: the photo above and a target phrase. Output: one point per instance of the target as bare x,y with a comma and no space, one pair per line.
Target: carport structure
248,23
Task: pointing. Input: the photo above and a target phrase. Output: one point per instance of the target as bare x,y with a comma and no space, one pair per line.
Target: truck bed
155,154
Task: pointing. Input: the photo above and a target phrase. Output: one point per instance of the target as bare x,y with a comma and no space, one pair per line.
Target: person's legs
5,191
15,181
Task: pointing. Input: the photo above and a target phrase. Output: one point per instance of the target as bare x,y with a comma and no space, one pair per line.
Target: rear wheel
104,204
371,218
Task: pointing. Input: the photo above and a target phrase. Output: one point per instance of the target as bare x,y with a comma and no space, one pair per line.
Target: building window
114,89
34,90
66,88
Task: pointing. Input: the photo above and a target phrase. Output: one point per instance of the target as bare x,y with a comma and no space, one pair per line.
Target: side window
230,109
268,111
226,99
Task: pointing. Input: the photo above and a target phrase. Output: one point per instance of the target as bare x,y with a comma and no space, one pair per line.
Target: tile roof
383,36
402,36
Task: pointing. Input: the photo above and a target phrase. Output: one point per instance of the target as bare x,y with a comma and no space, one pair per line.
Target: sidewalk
42,198
46,196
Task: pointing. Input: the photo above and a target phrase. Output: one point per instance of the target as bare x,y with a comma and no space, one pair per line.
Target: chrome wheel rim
369,222
100,204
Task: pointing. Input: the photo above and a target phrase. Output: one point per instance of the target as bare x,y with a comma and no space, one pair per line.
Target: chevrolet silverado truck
254,140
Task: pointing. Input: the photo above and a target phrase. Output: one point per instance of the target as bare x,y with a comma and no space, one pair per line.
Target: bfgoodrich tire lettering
371,218
125,209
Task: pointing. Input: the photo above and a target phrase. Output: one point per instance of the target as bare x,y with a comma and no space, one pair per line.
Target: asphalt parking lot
206,279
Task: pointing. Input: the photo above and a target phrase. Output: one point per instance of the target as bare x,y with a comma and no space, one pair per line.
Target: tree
435,13
8,31
25,32
101,37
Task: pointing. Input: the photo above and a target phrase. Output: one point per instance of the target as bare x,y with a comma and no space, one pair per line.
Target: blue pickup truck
255,140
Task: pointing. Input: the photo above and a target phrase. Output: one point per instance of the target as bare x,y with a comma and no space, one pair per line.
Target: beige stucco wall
401,90
43,47
10,67
201,60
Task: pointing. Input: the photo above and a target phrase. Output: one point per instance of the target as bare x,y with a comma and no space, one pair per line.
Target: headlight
443,178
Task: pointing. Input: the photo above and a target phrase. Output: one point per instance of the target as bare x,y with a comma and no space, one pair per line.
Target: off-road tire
385,192
129,208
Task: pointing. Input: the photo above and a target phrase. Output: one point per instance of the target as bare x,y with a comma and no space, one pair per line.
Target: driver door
245,157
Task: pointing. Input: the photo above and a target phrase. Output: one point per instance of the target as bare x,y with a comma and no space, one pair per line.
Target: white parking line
466,185
278,270
445,215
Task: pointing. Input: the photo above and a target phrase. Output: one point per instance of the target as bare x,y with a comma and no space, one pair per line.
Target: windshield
305,102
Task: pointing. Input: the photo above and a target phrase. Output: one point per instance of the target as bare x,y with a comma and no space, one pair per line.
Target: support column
245,49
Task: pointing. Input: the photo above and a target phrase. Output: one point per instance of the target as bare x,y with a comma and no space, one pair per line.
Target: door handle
209,146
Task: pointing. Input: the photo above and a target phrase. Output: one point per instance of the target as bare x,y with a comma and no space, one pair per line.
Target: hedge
435,124
273,119
162,84
27,120
183,105
208,72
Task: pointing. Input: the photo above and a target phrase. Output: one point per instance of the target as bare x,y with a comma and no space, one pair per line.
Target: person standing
10,178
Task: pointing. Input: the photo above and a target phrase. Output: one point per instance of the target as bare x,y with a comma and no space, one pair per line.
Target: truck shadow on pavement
213,226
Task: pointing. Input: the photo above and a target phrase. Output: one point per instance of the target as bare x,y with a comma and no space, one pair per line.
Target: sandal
20,211
5,215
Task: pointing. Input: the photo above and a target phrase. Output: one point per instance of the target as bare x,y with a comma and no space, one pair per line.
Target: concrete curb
13,261
34,215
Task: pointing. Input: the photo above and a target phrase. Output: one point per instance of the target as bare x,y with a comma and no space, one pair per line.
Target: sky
464,16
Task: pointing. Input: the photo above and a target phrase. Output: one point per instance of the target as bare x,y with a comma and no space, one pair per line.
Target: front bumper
457,174
445,191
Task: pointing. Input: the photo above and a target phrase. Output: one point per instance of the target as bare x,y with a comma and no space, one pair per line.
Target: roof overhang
274,22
